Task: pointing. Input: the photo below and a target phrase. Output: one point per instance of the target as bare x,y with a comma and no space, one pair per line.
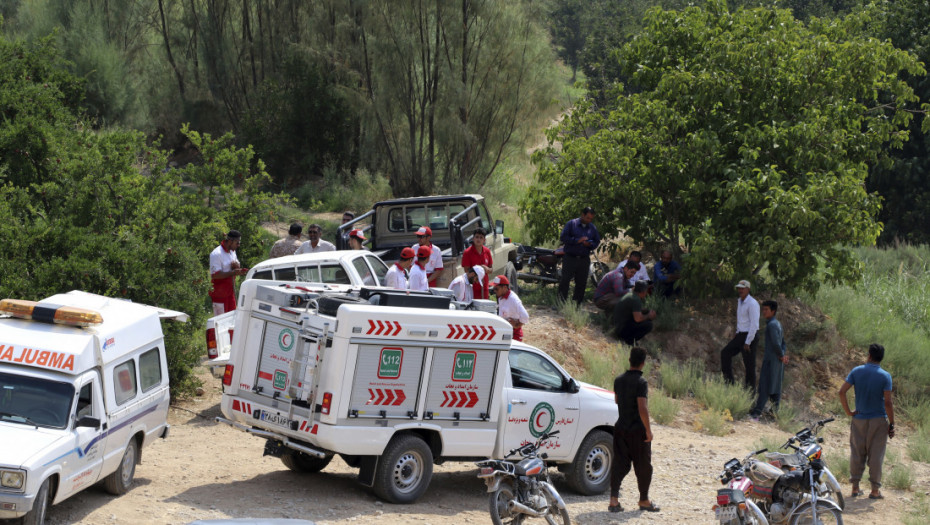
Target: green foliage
351,191
918,444
713,422
574,314
662,408
669,314
786,416
601,369
718,396
839,464
899,477
680,380
735,137
770,442
918,513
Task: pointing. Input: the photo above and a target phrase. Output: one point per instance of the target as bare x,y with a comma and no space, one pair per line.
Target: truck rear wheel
300,462
118,483
39,507
590,472
510,272
404,470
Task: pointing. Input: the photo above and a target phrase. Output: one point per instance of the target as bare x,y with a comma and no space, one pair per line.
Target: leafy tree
745,136
568,29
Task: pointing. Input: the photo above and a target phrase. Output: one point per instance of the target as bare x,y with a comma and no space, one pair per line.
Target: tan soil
206,470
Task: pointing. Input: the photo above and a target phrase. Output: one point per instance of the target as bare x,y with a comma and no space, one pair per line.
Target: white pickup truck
83,388
394,382
334,271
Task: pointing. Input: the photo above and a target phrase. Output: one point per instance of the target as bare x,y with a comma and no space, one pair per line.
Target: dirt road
206,470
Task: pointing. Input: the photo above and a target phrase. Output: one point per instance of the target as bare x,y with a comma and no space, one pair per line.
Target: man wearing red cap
509,306
418,273
396,276
434,266
224,267
356,237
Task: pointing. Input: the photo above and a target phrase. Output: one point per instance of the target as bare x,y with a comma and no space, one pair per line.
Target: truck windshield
34,401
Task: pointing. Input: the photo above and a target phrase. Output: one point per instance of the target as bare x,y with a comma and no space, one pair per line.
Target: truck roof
428,199
72,349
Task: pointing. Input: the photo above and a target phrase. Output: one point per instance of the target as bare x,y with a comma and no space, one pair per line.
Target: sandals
649,508
856,494
876,496
615,508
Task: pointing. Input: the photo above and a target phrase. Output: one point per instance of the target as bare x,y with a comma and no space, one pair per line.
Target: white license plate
726,513
274,419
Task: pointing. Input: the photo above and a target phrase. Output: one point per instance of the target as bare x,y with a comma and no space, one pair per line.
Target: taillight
211,343
723,500
230,335
227,375
327,403
486,471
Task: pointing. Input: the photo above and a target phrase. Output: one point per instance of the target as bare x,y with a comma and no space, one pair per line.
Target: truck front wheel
300,462
404,470
39,507
590,472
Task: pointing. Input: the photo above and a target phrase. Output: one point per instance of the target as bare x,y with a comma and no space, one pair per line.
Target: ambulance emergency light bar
50,313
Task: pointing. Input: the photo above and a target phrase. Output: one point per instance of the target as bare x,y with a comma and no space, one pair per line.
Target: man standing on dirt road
745,340
632,433
773,361
224,267
580,238
872,422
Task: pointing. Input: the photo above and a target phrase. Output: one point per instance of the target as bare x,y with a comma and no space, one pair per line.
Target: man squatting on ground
631,320
773,361
872,422
632,433
613,286
745,340
224,267
509,306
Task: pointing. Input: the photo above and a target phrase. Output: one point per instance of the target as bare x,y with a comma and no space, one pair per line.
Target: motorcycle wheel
497,503
826,515
556,516
834,495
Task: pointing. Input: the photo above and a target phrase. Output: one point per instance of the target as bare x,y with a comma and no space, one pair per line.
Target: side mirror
499,227
572,386
87,421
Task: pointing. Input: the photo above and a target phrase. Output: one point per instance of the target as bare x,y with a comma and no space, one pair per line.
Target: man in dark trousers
632,433
773,361
579,237
746,339
872,422
631,320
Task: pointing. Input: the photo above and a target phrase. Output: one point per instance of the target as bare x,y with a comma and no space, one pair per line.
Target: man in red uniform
224,267
478,255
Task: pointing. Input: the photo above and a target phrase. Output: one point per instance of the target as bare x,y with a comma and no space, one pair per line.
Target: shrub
680,379
901,477
916,410
918,445
663,408
669,314
838,462
574,314
601,369
713,422
918,512
786,416
771,443
717,395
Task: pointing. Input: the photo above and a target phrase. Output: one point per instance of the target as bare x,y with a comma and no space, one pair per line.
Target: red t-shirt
471,257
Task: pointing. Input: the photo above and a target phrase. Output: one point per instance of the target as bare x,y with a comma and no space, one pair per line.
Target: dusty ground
206,470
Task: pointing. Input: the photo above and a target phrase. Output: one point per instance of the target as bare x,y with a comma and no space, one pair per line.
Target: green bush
679,380
838,462
786,416
918,513
918,445
900,477
352,191
916,410
574,314
713,422
663,408
601,369
719,396
669,314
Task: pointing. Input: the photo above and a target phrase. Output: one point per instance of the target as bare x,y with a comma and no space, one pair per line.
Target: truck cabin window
34,401
150,369
124,382
334,274
534,372
85,404
379,268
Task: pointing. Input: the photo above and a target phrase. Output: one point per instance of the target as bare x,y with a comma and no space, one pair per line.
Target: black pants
735,346
574,268
631,447
633,331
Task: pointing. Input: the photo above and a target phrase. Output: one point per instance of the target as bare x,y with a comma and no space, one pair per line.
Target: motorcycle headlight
12,479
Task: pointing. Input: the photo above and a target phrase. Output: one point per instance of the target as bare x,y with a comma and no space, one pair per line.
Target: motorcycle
760,493
521,490
544,265
808,446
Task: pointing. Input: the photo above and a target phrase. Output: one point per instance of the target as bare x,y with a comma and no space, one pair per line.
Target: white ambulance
83,388
394,382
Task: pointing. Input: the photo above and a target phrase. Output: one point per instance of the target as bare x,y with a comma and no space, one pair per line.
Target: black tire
119,482
836,496
404,469
826,515
304,463
510,272
589,473
597,272
39,507
497,506
557,516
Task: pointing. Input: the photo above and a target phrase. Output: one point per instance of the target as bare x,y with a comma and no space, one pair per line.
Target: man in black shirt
632,433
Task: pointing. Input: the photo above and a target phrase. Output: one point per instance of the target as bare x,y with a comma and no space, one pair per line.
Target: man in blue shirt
665,272
580,238
873,420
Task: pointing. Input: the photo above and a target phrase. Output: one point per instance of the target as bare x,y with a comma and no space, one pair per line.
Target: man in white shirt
396,276
642,274
224,267
462,286
315,244
434,267
418,272
746,339
509,306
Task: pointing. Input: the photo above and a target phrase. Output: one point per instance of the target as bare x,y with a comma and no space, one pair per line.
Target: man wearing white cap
509,306
434,266
462,285
745,341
